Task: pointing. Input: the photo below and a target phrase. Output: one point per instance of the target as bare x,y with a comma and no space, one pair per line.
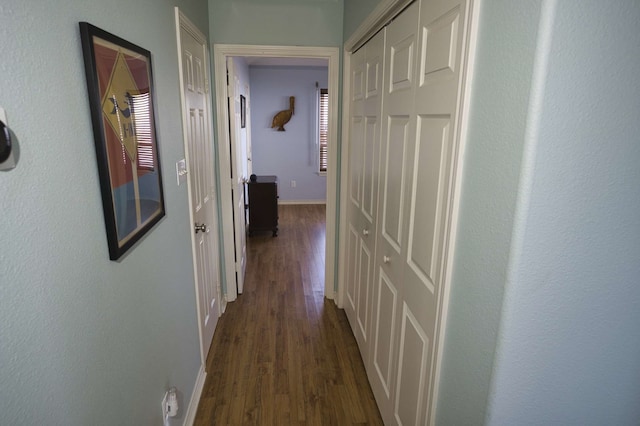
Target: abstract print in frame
121,94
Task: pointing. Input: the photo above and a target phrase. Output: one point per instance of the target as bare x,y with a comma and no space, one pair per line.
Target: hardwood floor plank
282,354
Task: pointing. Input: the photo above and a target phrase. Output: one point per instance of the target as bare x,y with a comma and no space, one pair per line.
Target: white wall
290,155
84,340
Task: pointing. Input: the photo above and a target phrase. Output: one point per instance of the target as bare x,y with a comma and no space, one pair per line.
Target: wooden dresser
263,204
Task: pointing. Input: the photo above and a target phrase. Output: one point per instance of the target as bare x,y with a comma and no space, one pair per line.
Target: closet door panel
395,157
355,201
367,219
364,291
384,340
441,47
355,167
401,69
400,81
429,189
355,194
434,153
372,110
352,274
375,64
370,169
357,129
412,377
364,143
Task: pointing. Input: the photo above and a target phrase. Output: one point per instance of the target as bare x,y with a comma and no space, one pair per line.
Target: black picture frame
243,111
122,104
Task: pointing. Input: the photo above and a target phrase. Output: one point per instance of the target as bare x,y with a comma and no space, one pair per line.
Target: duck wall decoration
283,117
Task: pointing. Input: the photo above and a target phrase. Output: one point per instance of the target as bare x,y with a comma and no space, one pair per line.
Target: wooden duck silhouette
283,117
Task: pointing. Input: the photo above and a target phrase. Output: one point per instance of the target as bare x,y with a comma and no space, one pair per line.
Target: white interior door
237,141
249,162
194,64
365,111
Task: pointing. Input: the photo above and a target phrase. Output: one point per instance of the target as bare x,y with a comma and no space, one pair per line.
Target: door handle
201,228
386,259
365,232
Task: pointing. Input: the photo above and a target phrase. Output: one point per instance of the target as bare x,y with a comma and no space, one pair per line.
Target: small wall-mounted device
169,405
7,159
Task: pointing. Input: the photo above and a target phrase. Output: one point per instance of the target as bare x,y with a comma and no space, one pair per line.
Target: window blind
323,129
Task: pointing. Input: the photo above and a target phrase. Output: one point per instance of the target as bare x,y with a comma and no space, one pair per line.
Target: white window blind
323,129
142,115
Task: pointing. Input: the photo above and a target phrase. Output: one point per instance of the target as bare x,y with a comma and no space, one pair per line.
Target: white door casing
237,148
194,92
221,52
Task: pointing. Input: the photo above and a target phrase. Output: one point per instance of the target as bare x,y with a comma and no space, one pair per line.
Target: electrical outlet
293,183
164,406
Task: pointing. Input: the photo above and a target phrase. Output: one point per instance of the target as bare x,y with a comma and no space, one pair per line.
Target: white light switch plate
181,171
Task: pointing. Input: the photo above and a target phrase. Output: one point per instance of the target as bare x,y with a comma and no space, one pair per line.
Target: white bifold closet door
366,103
398,128
396,274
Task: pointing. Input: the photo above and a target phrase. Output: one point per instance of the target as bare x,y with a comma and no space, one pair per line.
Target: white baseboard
287,202
195,398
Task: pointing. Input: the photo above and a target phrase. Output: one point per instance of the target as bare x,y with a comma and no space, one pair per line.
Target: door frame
377,19
332,55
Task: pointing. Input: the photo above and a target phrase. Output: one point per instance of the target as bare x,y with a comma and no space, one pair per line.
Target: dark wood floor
281,353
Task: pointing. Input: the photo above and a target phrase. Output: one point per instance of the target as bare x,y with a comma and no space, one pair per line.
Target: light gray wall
498,115
356,11
569,346
84,340
543,314
290,155
277,22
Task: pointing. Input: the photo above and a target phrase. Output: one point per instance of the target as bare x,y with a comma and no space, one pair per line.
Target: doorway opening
281,55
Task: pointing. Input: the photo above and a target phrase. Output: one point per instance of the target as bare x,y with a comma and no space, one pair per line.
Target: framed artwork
243,111
121,99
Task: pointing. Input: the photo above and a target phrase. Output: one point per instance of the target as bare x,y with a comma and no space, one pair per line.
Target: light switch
181,171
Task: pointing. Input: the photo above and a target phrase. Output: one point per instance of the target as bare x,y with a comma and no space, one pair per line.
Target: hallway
281,353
